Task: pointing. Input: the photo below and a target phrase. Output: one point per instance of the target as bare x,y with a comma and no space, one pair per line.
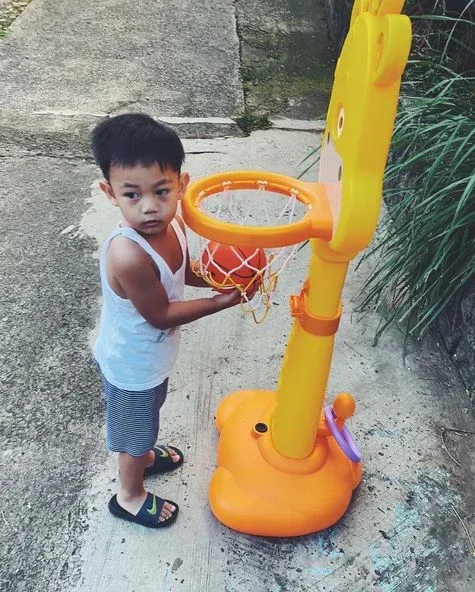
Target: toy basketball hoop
253,211
286,463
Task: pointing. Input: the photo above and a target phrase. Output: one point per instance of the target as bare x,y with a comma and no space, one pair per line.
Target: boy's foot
155,512
166,458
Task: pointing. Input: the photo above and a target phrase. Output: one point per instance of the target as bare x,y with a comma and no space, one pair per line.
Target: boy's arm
191,279
134,271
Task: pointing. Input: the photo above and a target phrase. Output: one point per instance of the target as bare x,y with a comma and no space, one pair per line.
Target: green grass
10,13
425,254
250,122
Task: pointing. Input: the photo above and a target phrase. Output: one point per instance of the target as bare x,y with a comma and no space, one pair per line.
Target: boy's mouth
151,223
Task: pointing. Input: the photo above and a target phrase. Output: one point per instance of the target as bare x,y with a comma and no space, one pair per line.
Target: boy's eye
131,195
162,192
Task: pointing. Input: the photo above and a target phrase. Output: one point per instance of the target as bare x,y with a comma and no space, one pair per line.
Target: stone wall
338,17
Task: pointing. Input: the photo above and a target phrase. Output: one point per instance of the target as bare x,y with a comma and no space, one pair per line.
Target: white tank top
132,354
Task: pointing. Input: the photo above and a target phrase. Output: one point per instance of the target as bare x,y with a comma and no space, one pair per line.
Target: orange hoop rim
316,223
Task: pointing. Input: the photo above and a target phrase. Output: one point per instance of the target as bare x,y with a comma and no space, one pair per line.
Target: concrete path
108,56
405,528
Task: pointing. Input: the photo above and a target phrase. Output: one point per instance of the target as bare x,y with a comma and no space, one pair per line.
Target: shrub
426,249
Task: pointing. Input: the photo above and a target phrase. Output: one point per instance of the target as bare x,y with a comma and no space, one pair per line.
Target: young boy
144,267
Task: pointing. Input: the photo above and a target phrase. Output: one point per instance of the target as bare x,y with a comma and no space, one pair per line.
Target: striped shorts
132,417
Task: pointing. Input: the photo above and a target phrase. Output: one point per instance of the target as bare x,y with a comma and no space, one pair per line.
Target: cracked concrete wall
286,60
338,16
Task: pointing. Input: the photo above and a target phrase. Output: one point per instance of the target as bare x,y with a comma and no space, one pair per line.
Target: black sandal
148,514
163,461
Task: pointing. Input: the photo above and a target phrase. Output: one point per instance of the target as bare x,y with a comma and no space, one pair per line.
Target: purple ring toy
343,437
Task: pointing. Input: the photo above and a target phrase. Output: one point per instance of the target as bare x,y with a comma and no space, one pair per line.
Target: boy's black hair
134,138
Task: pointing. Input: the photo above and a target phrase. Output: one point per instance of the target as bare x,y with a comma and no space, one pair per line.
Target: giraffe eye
340,122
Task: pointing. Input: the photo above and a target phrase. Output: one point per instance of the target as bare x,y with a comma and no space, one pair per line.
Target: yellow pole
306,365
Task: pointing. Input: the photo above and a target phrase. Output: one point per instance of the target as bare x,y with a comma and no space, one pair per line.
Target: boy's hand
252,291
228,299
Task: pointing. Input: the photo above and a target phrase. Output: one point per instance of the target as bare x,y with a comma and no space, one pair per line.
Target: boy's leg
142,412
132,494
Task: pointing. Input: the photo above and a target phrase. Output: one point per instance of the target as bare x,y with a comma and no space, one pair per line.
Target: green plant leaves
426,252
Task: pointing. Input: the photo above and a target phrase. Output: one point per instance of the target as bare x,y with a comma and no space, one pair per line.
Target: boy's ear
184,180
107,189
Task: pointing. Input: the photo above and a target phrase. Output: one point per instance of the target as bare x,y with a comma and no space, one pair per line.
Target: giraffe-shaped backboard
360,119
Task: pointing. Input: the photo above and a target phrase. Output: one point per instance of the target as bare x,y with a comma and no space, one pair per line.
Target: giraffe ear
390,7
393,42
376,8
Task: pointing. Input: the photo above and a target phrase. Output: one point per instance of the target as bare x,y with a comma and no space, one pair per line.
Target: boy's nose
149,205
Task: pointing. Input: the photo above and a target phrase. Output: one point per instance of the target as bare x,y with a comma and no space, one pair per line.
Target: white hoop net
260,207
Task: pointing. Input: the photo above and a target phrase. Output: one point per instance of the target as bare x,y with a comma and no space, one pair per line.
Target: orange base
258,491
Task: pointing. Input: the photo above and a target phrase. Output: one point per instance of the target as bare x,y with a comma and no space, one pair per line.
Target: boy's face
146,195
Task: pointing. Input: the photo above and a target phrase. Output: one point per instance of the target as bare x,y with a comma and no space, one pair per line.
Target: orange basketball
232,266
